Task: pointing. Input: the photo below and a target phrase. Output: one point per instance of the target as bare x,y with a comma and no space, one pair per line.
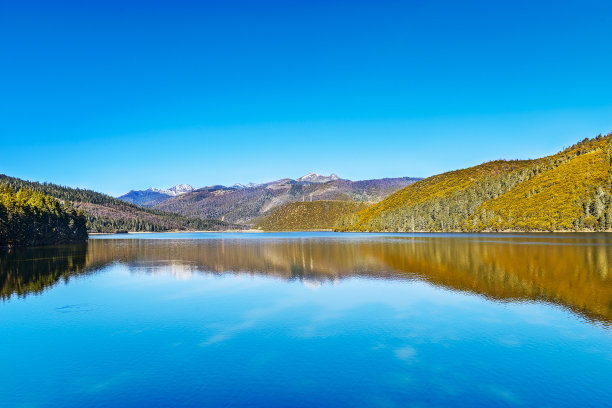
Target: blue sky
120,95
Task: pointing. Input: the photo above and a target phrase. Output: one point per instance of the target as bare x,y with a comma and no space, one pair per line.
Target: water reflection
569,270
31,270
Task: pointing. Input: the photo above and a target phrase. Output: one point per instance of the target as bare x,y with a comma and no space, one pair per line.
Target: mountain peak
172,191
241,186
180,189
318,178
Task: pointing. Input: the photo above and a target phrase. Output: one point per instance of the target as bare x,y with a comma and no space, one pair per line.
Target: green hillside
31,218
571,190
108,214
309,215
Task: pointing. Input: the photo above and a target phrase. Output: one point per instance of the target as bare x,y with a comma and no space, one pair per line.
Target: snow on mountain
153,196
241,186
180,189
318,178
173,191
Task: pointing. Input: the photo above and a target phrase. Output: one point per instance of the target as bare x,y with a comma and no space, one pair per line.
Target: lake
309,320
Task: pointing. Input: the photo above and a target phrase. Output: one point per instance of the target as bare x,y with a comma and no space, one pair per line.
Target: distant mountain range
244,204
153,196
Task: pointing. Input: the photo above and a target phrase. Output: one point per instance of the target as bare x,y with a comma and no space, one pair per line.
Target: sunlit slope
566,191
568,197
315,215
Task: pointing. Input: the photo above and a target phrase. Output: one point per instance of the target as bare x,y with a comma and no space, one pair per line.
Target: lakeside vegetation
32,218
303,216
568,191
104,213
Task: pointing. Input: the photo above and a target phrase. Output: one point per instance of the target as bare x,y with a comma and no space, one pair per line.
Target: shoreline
250,231
256,231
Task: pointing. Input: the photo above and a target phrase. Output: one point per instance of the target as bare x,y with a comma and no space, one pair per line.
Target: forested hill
569,191
308,215
32,218
108,214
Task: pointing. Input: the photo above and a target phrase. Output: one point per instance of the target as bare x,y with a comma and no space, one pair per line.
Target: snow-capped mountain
173,191
153,196
240,185
318,178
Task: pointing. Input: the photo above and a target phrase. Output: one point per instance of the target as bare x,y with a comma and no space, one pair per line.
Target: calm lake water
309,319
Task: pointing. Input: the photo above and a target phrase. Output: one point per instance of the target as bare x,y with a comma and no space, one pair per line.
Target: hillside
108,214
245,205
31,218
570,190
315,215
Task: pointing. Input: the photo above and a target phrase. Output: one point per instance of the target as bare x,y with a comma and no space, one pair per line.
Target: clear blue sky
120,95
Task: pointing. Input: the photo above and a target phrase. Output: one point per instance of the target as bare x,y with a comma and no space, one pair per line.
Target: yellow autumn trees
569,191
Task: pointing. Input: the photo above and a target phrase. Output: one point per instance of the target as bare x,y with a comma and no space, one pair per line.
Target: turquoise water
309,319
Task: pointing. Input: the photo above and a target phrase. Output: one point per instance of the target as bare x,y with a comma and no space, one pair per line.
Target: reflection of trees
572,271
31,270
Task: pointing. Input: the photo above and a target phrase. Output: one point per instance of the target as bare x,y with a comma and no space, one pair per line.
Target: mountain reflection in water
570,270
